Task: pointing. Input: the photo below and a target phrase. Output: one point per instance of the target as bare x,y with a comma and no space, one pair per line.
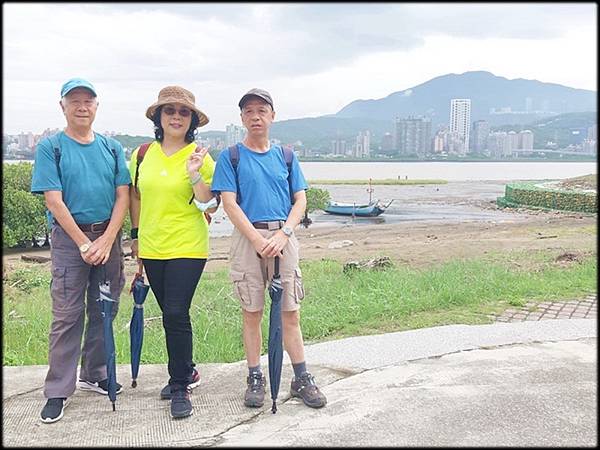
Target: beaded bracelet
196,179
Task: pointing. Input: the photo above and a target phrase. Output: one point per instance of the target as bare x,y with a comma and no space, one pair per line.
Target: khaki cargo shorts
251,275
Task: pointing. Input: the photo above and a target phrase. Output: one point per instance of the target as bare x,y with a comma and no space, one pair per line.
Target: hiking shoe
165,393
255,393
181,405
53,411
306,389
101,387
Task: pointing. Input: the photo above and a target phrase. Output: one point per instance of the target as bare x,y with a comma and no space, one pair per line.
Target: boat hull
357,211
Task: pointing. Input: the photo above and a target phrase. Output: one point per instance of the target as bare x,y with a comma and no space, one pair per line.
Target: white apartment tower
362,148
460,119
234,134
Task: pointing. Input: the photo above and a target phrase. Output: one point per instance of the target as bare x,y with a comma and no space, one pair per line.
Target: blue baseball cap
75,83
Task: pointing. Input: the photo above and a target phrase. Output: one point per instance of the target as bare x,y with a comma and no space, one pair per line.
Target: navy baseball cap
75,83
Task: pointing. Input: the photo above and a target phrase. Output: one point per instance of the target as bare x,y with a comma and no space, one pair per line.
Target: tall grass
336,304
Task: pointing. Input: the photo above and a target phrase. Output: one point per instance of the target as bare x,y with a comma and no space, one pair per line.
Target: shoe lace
255,382
306,379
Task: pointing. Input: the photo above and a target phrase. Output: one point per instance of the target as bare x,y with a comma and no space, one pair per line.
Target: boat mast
370,191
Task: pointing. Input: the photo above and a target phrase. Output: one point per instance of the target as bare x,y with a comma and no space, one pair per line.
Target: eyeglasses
183,112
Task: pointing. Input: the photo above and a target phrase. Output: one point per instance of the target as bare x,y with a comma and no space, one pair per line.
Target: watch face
287,231
84,248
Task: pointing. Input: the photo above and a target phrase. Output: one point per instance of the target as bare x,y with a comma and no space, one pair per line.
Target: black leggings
173,282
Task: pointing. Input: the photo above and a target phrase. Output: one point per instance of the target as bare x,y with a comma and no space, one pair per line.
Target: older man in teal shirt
85,182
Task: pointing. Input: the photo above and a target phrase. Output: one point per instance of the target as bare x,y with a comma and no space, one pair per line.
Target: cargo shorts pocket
298,285
240,286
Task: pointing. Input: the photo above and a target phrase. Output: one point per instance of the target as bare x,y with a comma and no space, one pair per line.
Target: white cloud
314,58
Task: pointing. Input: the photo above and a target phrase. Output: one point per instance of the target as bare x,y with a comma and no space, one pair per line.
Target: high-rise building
362,148
526,140
499,144
387,142
460,119
592,133
528,104
234,134
338,147
479,141
413,136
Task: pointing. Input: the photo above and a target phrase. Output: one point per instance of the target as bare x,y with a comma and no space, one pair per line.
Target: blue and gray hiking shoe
255,392
305,388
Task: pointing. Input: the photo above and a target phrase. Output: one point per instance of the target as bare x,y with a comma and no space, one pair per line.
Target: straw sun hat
177,94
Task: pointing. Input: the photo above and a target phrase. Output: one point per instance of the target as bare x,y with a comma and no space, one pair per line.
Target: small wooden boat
372,209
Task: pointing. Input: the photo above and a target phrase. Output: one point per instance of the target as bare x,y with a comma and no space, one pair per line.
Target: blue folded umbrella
275,346
106,307
139,290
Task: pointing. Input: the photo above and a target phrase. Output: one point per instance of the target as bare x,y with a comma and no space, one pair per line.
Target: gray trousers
71,279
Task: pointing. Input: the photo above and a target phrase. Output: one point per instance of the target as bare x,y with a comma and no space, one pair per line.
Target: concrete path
531,383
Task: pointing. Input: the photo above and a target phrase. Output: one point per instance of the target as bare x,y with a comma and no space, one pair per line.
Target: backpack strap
109,142
288,156
234,157
140,157
56,146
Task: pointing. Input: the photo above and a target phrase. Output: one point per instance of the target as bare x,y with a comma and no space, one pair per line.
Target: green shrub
24,212
529,194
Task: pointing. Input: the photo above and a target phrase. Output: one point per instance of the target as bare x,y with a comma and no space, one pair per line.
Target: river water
471,185
451,171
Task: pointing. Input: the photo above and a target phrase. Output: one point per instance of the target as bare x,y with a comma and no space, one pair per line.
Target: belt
273,225
96,227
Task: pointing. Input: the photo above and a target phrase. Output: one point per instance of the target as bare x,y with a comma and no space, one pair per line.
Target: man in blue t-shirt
264,223
85,182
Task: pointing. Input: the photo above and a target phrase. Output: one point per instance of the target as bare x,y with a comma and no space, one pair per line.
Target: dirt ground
423,244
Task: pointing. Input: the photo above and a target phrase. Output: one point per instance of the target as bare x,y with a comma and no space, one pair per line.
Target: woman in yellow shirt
170,234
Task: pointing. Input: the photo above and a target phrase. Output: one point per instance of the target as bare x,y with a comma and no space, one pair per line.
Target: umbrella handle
276,267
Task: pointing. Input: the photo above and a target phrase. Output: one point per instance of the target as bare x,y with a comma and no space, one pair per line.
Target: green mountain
528,100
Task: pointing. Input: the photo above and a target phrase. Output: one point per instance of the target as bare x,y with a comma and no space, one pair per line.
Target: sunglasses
183,112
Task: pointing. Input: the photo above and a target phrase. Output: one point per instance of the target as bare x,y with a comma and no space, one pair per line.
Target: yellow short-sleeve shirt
169,226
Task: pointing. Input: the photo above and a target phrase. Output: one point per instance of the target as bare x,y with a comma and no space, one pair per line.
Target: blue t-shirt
88,178
263,182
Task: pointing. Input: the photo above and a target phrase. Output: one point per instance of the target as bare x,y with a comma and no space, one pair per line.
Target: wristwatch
287,231
85,247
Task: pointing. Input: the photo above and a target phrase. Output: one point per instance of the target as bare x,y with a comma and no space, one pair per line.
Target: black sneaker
255,392
101,387
53,411
165,393
306,388
181,405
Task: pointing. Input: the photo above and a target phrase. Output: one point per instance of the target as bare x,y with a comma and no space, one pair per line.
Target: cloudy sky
313,58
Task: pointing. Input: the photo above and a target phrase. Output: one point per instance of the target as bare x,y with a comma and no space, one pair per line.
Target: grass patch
385,181
336,304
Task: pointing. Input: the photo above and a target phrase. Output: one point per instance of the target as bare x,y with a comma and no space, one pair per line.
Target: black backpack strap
56,146
138,160
234,157
288,156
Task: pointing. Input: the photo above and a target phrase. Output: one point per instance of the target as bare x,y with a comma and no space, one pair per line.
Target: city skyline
313,58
